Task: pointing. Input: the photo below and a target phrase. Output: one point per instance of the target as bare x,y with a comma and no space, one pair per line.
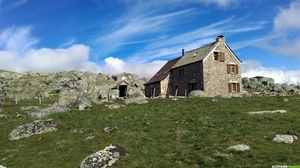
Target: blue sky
139,36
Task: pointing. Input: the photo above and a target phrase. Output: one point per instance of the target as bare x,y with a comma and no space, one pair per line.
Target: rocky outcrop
52,109
264,86
36,127
104,158
67,86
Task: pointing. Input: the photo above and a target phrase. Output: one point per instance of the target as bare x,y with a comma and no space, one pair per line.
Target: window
232,69
219,56
233,87
216,56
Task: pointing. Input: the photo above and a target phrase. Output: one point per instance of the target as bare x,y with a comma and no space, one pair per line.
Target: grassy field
163,133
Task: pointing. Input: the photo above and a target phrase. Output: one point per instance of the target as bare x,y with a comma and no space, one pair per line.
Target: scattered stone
19,115
239,148
36,127
2,166
104,158
110,129
214,100
115,106
136,101
79,131
289,139
286,100
90,137
174,99
267,112
3,116
52,109
29,108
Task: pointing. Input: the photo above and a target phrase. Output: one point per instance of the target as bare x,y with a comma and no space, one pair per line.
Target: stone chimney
182,52
220,38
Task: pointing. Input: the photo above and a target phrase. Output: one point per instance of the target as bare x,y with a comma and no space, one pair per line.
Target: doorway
122,90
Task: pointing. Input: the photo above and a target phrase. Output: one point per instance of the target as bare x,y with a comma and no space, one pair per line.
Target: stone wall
149,87
216,78
182,78
164,86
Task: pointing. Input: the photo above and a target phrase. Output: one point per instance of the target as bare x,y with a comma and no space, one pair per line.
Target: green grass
162,133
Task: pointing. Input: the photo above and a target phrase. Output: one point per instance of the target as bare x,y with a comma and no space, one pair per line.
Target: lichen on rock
36,127
104,158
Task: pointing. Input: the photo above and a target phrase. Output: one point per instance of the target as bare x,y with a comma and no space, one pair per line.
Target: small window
219,56
233,87
216,56
232,69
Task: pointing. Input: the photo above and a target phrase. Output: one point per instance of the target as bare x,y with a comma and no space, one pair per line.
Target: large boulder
134,94
198,93
289,139
36,127
104,158
67,98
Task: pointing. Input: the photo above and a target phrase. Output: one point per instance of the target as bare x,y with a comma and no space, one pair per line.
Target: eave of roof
163,72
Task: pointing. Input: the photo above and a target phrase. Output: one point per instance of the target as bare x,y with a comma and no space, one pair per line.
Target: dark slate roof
195,55
163,72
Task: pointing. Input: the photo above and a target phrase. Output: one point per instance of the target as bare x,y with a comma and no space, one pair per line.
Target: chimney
182,52
220,38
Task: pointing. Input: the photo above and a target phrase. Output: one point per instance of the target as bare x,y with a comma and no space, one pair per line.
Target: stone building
213,68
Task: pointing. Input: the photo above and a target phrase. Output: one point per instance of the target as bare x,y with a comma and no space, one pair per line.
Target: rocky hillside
265,86
66,85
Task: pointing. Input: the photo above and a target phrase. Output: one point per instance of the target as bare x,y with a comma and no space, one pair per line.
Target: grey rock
52,109
239,148
104,158
136,101
253,80
36,127
289,139
83,103
198,93
110,129
67,98
114,106
2,166
3,116
267,112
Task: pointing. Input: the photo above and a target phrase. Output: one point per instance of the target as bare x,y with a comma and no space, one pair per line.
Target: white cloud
285,37
17,39
17,54
251,68
288,18
168,48
130,27
116,65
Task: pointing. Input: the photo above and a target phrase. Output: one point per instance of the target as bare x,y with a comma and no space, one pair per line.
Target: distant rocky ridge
264,86
77,88
69,86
